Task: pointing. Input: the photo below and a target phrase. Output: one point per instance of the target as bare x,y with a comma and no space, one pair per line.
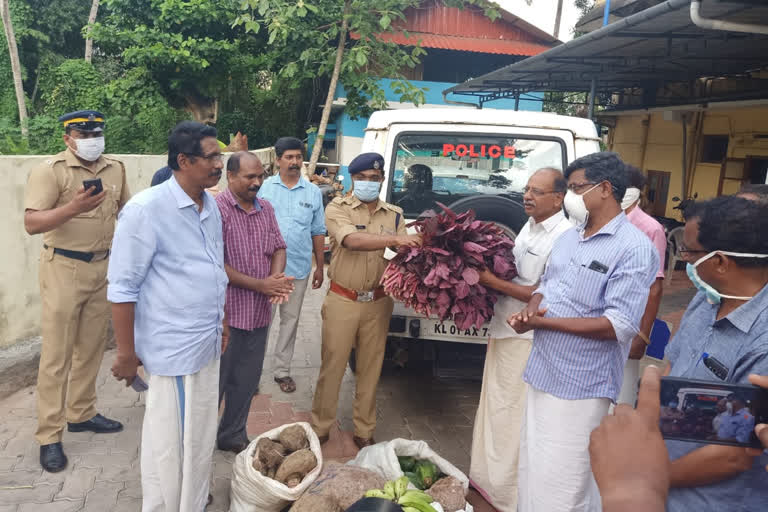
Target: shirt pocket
71,187
303,213
588,289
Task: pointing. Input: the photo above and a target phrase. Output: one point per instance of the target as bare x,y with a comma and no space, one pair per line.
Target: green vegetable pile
397,491
421,473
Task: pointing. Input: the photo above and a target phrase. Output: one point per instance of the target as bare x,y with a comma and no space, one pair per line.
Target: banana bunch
397,491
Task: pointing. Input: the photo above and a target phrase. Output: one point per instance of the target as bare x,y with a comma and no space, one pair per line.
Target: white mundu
177,440
496,436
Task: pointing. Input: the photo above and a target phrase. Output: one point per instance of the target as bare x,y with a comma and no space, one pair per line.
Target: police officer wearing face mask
356,311
77,224
722,337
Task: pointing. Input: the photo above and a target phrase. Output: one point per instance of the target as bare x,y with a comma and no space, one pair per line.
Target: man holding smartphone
77,223
723,337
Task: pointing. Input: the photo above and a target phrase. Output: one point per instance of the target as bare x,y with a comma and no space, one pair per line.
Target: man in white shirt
496,437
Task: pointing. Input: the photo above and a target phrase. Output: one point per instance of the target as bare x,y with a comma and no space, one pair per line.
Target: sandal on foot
287,385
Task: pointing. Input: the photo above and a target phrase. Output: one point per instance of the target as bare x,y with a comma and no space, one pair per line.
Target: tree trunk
331,92
558,17
5,13
89,39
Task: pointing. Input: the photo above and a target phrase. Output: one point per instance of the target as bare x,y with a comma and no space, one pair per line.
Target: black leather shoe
52,457
234,448
98,424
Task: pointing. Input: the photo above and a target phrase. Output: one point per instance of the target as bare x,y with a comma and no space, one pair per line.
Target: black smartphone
93,183
711,412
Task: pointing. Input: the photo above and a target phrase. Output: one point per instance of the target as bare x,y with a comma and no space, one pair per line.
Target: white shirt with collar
532,247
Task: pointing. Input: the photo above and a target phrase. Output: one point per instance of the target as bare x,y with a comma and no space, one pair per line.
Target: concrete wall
19,292
660,149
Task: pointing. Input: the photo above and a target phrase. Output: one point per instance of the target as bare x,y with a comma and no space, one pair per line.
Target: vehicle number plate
452,330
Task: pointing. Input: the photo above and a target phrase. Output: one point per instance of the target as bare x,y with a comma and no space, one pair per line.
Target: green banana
389,490
401,485
410,509
415,495
376,493
420,506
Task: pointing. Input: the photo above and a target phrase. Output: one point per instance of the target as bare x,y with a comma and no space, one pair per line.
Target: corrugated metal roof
466,44
654,47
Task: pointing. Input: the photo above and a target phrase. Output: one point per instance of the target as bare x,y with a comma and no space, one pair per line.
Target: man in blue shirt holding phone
723,337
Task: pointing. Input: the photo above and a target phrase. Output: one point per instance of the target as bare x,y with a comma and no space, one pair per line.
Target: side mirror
675,199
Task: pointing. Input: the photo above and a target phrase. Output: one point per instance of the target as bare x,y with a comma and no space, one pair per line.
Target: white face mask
90,149
630,197
574,205
729,407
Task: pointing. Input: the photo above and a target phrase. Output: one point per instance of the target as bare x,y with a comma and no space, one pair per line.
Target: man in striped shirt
254,259
585,314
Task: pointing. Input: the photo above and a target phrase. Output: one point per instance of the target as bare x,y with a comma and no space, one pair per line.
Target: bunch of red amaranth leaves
441,277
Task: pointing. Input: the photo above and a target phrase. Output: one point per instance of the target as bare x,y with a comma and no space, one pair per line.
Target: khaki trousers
347,325
75,319
289,323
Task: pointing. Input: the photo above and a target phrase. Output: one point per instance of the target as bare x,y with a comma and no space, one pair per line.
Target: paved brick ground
103,472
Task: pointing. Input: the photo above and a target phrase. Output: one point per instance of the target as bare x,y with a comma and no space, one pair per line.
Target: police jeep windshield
447,167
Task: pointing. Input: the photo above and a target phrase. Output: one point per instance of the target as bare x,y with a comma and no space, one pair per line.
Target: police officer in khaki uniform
356,311
77,223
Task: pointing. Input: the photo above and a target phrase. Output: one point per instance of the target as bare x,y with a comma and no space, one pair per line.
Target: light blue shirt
609,275
740,342
168,258
300,215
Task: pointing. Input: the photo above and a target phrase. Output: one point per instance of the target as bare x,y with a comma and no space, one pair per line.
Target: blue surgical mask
713,296
366,191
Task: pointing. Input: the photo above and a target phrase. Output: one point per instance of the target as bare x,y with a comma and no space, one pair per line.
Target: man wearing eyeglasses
584,315
356,311
496,436
167,285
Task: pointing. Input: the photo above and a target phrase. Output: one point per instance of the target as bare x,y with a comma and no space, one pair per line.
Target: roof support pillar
592,90
517,102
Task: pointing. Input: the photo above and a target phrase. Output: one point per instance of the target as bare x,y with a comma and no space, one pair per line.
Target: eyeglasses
537,191
684,250
574,187
212,158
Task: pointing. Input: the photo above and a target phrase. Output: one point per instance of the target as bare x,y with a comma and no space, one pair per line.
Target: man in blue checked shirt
723,337
299,210
585,314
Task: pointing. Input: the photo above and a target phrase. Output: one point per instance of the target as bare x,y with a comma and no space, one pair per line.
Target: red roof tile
467,44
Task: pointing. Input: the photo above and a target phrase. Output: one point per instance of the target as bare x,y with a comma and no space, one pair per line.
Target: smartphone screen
93,183
711,412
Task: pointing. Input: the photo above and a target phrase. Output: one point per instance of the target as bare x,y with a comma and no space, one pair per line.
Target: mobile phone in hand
93,183
711,412
139,385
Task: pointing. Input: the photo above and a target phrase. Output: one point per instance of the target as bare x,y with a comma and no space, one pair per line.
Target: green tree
340,40
13,54
188,47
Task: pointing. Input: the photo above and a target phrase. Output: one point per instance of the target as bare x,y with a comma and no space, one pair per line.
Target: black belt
78,255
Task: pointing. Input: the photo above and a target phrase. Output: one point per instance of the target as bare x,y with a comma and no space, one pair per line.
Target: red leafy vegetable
442,277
